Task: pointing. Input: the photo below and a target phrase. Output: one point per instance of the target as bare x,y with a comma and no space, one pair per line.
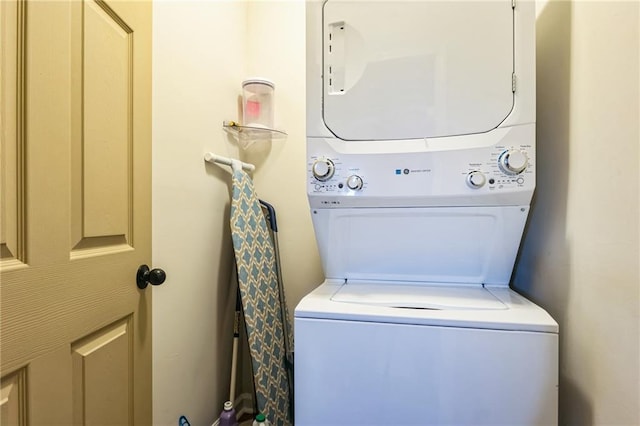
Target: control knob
476,179
513,161
323,169
354,182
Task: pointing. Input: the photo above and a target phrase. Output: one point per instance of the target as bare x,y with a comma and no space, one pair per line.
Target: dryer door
416,69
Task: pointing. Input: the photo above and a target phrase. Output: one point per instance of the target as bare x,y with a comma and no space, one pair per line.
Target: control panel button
513,161
354,182
323,169
476,179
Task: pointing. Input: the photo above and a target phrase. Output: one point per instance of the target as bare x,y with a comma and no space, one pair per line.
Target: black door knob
144,277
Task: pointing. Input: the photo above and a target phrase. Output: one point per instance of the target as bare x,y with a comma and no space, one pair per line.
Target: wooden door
75,212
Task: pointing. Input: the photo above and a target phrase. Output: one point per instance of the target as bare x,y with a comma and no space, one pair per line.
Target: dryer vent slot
335,58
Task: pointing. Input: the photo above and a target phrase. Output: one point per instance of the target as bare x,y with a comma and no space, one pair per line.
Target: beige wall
276,49
580,257
203,50
198,63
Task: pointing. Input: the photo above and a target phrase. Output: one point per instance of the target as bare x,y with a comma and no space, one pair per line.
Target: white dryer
421,168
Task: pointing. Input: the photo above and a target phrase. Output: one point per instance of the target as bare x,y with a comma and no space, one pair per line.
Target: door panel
76,341
12,399
102,154
106,138
12,133
102,367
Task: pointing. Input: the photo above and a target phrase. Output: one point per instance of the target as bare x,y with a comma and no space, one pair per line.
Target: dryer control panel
497,174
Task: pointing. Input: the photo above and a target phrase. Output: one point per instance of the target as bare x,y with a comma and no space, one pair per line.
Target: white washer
472,356
421,167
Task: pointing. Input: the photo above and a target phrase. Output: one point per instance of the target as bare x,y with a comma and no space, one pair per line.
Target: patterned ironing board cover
258,282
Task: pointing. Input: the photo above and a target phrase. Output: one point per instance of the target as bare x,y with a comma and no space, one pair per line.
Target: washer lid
518,314
416,69
458,245
418,296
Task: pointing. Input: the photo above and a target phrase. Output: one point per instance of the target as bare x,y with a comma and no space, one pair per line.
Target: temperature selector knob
513,161
354,182
323,169
476,179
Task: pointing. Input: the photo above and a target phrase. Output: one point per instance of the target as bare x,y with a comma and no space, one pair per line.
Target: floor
246,420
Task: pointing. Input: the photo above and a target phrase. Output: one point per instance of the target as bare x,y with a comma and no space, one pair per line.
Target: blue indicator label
398,171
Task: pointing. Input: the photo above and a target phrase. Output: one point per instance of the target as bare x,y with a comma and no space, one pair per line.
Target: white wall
276,49
580,258
202,52
198,63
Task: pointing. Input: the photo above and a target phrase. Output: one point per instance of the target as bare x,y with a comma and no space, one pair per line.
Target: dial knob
513,161
323,169
354,182
476,179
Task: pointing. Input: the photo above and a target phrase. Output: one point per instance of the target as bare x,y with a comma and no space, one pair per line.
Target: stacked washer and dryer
421,169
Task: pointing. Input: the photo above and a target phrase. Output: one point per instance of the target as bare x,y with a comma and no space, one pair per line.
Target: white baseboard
243,405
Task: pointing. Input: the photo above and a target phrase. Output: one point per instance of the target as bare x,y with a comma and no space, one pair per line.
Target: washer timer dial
323,169
513,161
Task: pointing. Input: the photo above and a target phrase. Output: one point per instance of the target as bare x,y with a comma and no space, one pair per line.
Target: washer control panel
328,174
482,175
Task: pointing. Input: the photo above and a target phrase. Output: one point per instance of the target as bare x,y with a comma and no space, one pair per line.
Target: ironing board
258,283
